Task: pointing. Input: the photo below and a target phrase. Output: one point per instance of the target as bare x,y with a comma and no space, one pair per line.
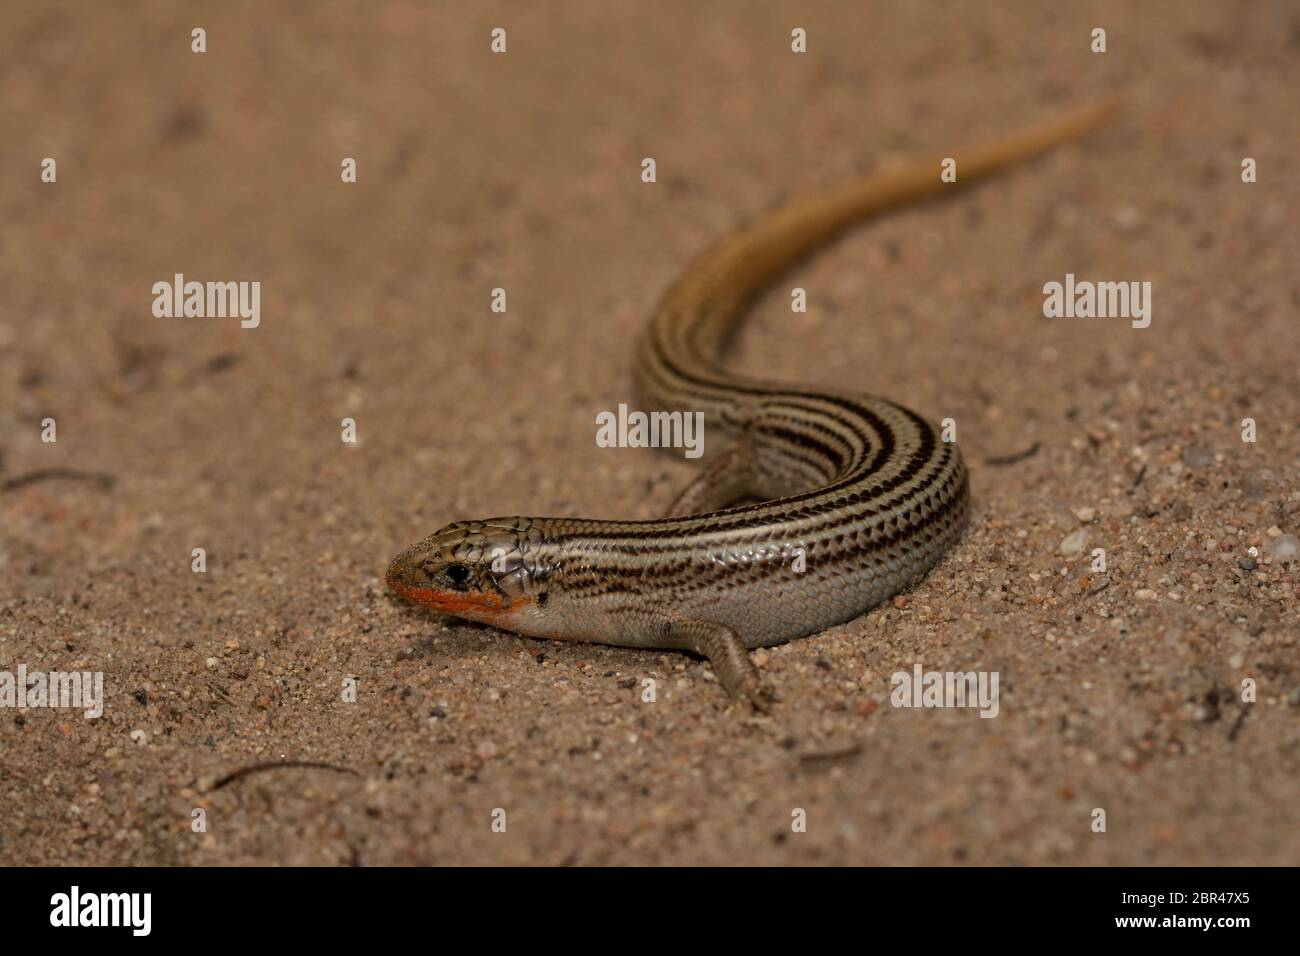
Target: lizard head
470,569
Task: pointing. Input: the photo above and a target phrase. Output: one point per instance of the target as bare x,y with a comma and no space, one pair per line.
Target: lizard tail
704,306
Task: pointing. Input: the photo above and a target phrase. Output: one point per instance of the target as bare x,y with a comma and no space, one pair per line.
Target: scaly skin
859,492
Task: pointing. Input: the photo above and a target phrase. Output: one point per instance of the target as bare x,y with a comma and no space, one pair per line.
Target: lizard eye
458,574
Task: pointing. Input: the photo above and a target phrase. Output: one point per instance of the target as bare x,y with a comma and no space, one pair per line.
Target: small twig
225,695
101,478
1019,456
1098,589
219,363
1236,724
1142,473
279,765
820,757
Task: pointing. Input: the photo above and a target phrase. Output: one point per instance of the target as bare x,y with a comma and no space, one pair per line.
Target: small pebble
1285,547
1246,564
1127,218
1073,543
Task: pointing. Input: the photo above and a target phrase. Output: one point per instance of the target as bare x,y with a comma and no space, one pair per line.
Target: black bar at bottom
545,906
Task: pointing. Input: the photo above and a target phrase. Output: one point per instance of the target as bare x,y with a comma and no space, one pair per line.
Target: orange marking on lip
476,604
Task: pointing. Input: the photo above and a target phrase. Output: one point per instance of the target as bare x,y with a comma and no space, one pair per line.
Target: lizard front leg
728,655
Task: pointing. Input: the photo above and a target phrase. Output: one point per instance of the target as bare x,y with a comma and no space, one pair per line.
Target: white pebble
1127,218
1073,542
1285,548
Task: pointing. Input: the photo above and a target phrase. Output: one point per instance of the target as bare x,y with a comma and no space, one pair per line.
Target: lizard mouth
476,605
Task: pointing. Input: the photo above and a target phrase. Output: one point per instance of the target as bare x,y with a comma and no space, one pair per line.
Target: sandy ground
1119,690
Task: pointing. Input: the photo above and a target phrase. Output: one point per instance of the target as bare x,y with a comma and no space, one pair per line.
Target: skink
859,496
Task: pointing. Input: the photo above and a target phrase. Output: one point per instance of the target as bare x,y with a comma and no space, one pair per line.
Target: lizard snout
407,573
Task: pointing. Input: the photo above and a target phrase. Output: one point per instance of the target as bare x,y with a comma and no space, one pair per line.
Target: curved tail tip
1102,111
